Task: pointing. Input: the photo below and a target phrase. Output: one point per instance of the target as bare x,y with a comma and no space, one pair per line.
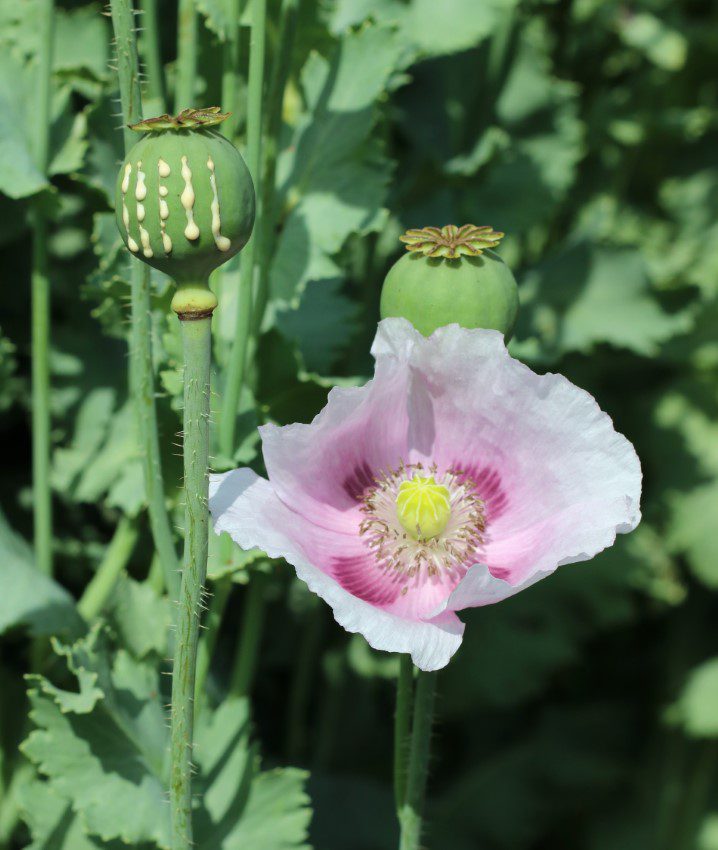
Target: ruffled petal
247,507
558,481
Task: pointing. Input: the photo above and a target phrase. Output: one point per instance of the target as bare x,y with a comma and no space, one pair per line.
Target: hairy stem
150,45
117,555
250,638
187,50
42,493
411,812
402,718
141,368
238,355
196,344
208,639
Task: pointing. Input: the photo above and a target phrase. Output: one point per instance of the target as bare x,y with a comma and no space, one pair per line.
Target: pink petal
246,506
559,482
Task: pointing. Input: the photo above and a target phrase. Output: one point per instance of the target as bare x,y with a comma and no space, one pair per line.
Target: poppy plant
454,479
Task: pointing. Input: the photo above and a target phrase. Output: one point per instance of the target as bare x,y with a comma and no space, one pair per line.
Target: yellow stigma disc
423,507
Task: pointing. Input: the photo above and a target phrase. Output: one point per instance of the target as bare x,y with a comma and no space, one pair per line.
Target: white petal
247,508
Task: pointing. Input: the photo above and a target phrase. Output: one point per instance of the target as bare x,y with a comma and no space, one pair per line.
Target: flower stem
187,32
196,344
303,671
250,638
238,355
208,640
42,494
150,43
404,698
141,368
411,812
103,582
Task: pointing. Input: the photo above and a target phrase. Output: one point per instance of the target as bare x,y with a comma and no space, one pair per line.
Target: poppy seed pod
184,198
450,276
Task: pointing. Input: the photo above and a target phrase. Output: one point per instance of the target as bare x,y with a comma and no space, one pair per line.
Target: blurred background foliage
583,713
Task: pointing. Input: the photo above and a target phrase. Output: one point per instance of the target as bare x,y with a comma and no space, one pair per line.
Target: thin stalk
281,67
187,52
402,717
208,639
697,795
150,44
196,344
301,686
141,367
230,70
250,638
238,355
411,813
113,564
42,493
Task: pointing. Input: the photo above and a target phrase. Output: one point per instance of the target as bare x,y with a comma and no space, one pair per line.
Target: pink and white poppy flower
454,479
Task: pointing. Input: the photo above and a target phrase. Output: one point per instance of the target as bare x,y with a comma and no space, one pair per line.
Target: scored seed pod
450,275
184,198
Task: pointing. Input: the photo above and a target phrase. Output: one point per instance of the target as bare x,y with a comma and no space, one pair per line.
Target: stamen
421,526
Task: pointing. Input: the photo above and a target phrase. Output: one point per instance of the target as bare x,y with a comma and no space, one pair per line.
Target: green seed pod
185,199
449,276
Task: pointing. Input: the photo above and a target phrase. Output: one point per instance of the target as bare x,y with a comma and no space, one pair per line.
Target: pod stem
412,809
402,723
187,52
150,44
141,367
117,555
230,70
238,355
208,639
196,344
250,637
40,309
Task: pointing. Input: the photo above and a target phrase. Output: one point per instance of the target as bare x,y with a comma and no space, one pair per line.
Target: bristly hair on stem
141,365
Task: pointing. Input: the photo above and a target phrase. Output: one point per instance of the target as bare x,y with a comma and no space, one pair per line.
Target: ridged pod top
184,197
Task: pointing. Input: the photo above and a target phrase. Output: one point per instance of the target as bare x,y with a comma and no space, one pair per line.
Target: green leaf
333,176
141,617
110,761
321,325
82,39
586,296
242,806
30,599
104,749
19,176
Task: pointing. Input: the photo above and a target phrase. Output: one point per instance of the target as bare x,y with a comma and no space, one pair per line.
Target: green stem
278,82
187,51
411,813
250,638
301,685
103,582
230,70
141,367
404,698
238,355
208,639
697,795
150,44
42,493
196,344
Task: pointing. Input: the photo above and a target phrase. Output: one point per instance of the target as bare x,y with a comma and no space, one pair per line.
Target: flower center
423,524
423,507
